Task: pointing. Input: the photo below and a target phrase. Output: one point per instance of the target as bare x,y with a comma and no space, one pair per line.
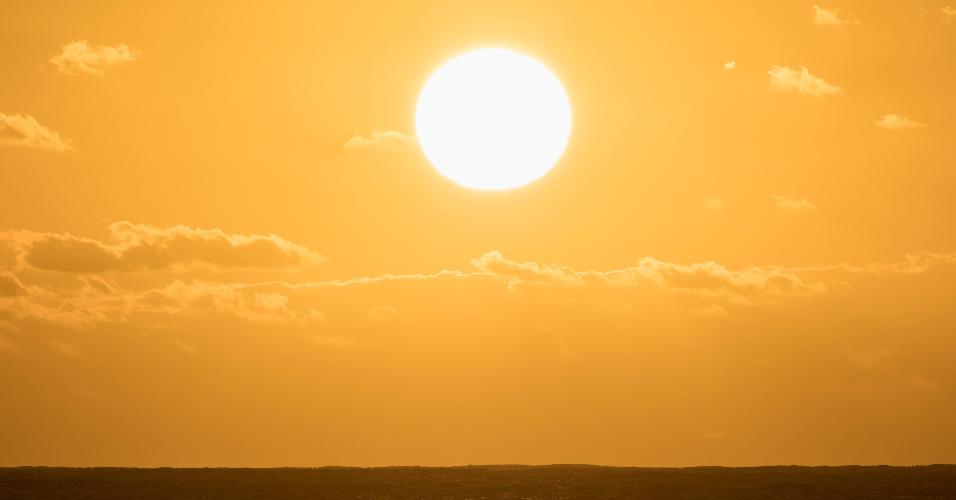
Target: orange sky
737,265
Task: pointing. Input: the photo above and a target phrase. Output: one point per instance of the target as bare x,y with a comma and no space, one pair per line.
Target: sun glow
493,119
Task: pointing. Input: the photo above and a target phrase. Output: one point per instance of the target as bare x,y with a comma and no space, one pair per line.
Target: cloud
825,17
912,264
885,361
379,138
175,302
873,358
703,279
710,279
713,311
138,247
794,205
79,57
237,301
10,286
25,131
296,305
785,79
949,13
495,264
8,347
729,65
713,204
898,122
382,315
334,341
66,349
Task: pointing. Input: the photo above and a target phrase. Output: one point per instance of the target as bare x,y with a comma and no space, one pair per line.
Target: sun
493,119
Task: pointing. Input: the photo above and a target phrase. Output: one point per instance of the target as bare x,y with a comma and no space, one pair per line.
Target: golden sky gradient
220,243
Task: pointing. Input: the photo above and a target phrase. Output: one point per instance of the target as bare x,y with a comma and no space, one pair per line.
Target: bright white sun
493,119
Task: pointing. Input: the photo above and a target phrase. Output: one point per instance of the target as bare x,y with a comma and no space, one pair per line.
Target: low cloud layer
710,287
703,279
81,58
26,132
801,81
139,247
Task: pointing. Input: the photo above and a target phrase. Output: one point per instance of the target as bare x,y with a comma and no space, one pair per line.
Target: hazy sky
220,243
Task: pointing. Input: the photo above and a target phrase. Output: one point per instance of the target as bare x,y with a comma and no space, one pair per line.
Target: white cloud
826,17
25,131
794,205
898,122
729,65
785,79
79,57
378,138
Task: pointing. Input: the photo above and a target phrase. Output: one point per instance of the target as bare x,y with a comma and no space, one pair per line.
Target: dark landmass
476,482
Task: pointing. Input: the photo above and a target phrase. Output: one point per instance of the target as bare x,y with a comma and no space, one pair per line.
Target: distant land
484,482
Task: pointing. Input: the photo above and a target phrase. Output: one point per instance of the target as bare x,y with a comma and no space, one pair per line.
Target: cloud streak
379,138
794,205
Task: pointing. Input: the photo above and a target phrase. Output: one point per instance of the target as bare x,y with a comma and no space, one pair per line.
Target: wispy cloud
913,264
729,65
79,57
786,79
25,131
898,122
829,17
793,204
10,286
379,138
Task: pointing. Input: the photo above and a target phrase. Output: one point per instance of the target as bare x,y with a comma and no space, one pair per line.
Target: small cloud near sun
729,65
794,205
378,138
801,81
713,204
829,17
898,122
79,57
